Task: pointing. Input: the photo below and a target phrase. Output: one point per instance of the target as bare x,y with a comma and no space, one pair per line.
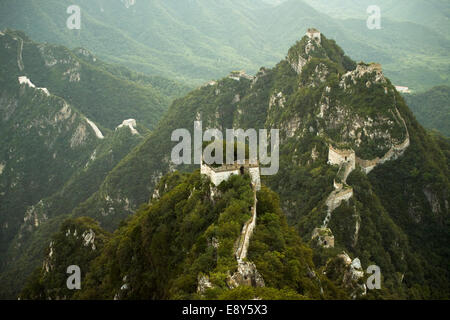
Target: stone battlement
234,166
339,157
224,172
347,160
237,75
314,34
367,163
342,152
375,67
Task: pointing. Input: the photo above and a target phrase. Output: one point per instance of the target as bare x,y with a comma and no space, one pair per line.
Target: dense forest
162,215
61,135
432,108
160,252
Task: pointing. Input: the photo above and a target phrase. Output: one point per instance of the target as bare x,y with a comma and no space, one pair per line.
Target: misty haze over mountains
202,40
86,124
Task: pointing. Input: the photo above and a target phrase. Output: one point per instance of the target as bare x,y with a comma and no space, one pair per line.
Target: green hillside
80,241
53,156
105,95
432,108
396,216
165,247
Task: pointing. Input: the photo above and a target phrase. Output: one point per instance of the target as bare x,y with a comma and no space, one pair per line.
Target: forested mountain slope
387,204
62,130
105,93
432,108
181,247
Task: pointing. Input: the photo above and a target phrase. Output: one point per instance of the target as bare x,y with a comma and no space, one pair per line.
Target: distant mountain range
199,40
433,13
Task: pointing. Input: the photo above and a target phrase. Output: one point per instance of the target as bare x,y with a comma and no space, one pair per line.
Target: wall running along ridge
347,160
246,274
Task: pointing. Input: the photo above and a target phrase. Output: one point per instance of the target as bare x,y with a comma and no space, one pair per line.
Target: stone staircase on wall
347,161
246,274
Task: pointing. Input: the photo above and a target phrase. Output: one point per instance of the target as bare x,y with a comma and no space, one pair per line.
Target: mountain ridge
53,155
315,96
145,43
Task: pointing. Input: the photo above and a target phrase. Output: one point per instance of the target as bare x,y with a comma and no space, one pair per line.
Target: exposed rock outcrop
24,80
351,77
348,272
433,200
89,238
203,284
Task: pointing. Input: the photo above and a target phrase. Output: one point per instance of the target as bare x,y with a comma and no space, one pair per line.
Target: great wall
247,231
246,274
394,152
347,161
225,171
19,53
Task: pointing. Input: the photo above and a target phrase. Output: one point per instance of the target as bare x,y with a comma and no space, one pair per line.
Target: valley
349,197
